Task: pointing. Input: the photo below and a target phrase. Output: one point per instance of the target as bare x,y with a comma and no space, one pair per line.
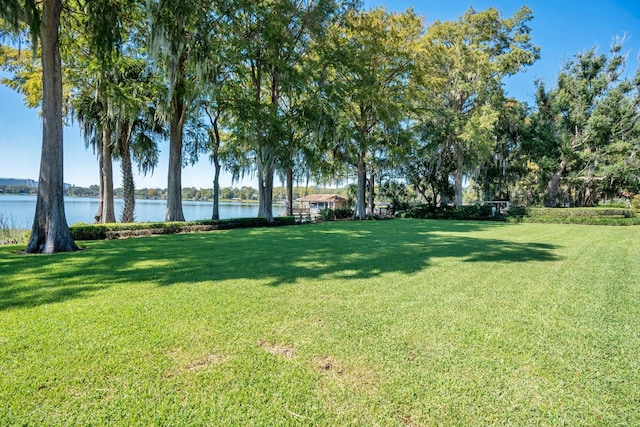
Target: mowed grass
390,323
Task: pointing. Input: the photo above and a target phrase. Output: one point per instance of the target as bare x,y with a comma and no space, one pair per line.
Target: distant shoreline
238,201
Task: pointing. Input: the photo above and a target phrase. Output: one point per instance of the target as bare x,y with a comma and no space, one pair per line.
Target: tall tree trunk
50,231
215,155
458,174
178,116
98,216
108,209
174,179
290,192
551,192
265,184
128,185
371,191
216,193
360,211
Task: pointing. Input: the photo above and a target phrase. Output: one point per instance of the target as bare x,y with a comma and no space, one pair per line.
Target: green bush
327,214
332,214
587,216
343,213
635,203
516,214
88,231
615,203
286,220
581,212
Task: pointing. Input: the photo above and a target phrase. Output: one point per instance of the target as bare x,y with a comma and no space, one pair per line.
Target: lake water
19,210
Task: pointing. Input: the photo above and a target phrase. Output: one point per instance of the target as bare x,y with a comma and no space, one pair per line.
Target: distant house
315,202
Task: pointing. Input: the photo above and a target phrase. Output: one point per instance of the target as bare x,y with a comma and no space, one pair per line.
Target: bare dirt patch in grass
278,349
207,361
356,376
185,362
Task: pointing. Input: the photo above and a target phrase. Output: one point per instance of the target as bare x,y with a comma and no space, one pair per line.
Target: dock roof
322,198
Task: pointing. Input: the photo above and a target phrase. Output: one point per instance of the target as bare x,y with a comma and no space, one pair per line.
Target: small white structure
498,206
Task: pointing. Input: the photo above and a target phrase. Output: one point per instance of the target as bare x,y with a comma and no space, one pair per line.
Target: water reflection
20,209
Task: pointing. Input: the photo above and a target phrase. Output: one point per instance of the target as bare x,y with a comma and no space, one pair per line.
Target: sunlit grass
402,322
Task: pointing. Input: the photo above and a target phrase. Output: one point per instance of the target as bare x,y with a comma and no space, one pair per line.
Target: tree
137,128
428,162
396,193
497,174
467,60
110,102
94,111
588,129
271,39
180,33
369,59
304,137
215,143
216,100
50,231
91,117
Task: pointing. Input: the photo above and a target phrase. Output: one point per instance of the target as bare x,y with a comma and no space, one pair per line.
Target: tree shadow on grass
275,256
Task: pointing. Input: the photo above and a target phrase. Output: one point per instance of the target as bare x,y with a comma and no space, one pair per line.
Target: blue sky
560,27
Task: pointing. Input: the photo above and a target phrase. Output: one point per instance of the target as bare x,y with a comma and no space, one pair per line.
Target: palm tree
123,117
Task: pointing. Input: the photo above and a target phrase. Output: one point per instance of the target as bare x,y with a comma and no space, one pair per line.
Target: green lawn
403,322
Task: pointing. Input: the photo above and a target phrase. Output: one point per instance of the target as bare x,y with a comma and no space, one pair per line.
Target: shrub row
475,212
590,216
582,220
581,212
82,231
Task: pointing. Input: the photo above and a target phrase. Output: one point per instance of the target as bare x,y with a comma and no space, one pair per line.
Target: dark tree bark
361,210
551,192
108,209
215,157
265,184
174,179
459,151
98,216
290,192
216,193
216,189
371,191
50,231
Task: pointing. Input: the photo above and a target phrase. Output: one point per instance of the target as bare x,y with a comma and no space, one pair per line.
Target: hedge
82,231
587,216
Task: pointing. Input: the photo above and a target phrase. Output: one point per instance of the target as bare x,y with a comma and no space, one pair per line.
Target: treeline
244,193
17,189
188,193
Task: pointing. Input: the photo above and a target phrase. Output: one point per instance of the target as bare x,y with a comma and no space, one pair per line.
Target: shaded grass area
403,322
